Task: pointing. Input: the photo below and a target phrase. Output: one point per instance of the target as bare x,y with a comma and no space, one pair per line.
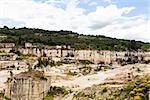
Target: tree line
77,41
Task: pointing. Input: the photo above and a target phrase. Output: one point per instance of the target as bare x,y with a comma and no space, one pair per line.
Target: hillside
77,41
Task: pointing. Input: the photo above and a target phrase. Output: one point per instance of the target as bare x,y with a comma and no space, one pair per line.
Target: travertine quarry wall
92,55
25,88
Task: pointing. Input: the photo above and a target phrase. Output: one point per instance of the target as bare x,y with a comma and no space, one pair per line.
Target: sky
125,19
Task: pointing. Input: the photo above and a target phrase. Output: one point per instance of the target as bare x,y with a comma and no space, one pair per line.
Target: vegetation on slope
57,92
138,90
77,41
133,90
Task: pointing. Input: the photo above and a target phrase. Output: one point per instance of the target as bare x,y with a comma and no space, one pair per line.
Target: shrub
56,91
71,73
132,93
137,98
104,89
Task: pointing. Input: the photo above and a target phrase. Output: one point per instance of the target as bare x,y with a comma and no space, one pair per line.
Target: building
7,45
28,45
3,36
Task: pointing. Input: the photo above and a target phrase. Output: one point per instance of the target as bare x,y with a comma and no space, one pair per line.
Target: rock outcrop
30,85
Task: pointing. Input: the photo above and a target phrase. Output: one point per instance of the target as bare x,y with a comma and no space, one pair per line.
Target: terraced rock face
27,86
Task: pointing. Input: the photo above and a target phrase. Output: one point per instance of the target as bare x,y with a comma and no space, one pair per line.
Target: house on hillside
28,45
3,36
7,45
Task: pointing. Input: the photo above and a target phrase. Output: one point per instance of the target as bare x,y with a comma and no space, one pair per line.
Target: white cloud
54,1
86,1
93,4
129,29
109,20
108,14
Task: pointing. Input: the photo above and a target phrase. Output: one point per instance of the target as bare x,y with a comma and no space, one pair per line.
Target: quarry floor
80,82
116,74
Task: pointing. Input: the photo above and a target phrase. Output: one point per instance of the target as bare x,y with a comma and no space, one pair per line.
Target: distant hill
75,40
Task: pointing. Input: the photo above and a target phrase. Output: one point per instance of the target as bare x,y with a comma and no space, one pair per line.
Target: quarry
62,73
74,49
